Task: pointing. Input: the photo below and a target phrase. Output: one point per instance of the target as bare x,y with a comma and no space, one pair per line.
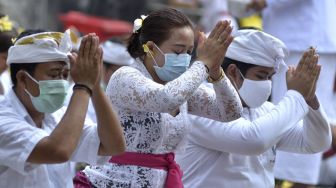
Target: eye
65,75
178,52
262,77
53,76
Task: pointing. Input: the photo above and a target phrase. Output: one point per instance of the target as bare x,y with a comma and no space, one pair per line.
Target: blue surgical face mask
174,66
52,95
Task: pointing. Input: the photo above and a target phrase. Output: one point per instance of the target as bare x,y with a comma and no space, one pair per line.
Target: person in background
38,136
241,153
7,34
300,24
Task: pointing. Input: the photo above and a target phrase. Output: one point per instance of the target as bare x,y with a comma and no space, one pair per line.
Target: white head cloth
114,53
258,48
41,47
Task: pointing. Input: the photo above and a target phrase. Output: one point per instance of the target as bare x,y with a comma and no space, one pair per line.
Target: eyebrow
265,72
59,69
181,45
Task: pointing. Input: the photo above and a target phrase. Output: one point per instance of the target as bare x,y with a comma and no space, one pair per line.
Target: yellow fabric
5,24
251,21
57,36
287,184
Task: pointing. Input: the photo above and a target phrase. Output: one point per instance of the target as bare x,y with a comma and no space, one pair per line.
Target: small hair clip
138,23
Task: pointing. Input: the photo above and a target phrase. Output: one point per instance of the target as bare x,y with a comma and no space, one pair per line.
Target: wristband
84,87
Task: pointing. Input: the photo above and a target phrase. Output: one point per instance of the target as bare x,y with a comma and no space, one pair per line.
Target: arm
221,104
311,135
250,137
109,129
63,140
130,89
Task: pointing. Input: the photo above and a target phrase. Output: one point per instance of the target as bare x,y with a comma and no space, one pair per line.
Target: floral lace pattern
145,109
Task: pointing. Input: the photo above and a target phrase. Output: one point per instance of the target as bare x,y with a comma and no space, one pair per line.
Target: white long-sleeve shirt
19,136
241,153
302,23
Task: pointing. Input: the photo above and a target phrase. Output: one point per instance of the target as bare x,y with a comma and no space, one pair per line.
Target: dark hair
243,67
6,40
156,27
28,67
6,37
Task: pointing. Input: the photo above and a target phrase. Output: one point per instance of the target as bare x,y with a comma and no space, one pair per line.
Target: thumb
72,58
289,72
201,39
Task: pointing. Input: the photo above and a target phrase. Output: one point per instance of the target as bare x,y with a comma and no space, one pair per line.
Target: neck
36,116
148,62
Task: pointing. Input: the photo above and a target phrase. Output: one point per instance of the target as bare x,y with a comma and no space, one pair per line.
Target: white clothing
18,137
144,108
214,11
6,81
257,48
241,153
300,167
41,48
325,84
116,54
302,23
328,171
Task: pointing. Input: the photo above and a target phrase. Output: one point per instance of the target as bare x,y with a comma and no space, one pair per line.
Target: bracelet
211,80
84,87
207,68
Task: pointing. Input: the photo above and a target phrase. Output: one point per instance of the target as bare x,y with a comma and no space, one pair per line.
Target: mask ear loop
234,84
147,50
33,80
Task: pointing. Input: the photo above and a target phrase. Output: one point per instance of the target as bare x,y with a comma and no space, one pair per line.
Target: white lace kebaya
145,109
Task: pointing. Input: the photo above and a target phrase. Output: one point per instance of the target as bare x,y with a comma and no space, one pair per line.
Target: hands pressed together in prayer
211,51
85,68
304,77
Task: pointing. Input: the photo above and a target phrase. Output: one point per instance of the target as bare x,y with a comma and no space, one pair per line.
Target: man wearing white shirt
38,137
299,24
241,153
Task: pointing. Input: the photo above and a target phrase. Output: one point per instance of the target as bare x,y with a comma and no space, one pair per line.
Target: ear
234,75
21,78
149,46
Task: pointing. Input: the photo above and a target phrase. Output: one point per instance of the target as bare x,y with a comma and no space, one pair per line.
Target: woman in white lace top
154,95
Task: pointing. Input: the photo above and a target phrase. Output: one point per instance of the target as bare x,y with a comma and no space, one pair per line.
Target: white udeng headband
41,47
116,54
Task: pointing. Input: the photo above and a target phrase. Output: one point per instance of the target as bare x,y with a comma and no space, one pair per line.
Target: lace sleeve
221,103
130,89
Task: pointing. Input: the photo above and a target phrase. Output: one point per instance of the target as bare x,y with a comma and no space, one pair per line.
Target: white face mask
255,93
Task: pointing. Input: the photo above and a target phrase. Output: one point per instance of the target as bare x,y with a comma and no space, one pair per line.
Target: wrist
83,87
313,103
213,78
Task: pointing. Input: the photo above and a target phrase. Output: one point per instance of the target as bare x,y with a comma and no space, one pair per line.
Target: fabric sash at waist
158,161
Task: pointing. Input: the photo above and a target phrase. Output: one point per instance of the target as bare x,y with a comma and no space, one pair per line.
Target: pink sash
158,161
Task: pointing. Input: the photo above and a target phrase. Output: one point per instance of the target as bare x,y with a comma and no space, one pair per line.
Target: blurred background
106,17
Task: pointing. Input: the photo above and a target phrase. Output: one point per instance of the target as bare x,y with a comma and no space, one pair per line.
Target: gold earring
145,47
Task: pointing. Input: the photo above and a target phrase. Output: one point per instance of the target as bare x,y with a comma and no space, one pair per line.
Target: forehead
183,35
54,65
262,69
